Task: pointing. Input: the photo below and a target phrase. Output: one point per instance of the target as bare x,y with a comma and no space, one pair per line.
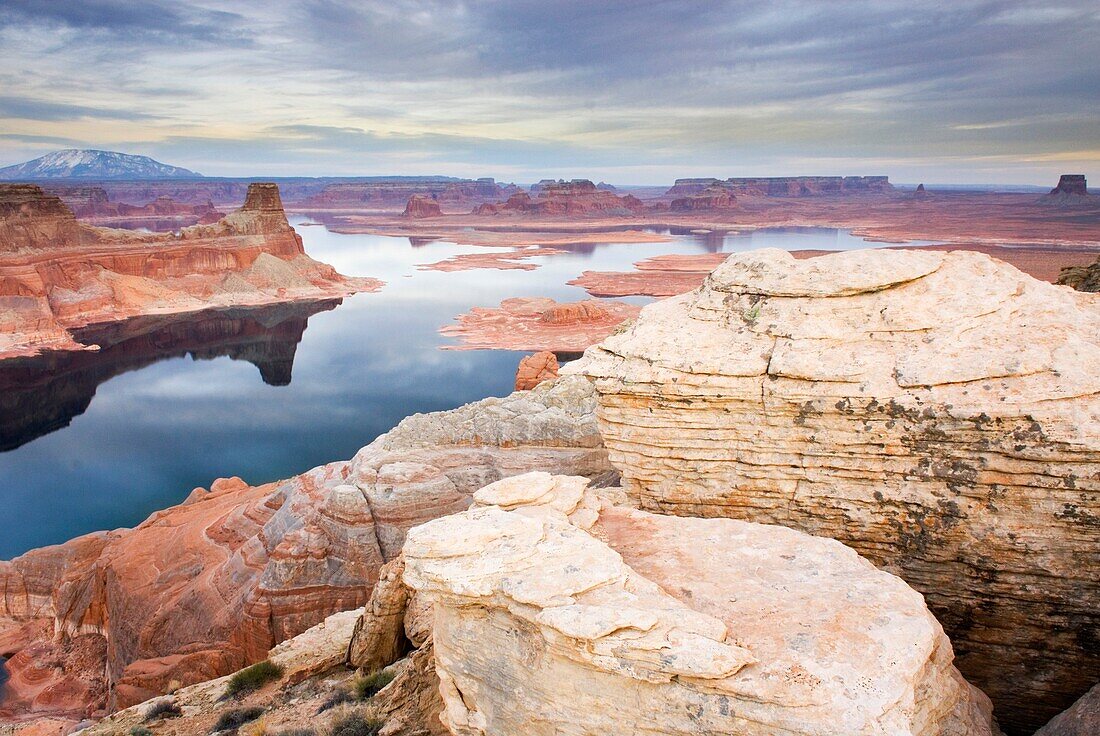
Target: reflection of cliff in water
42,394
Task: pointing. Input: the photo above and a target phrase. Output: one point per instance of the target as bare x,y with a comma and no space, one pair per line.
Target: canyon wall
203,588
938,412
57,273
393,193
579,197
783,186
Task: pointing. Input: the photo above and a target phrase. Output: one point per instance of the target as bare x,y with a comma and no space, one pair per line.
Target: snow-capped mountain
75,163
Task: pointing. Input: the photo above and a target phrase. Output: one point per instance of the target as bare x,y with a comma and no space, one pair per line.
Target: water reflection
177,404
42,394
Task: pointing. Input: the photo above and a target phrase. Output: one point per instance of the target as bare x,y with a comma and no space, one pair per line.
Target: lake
92,441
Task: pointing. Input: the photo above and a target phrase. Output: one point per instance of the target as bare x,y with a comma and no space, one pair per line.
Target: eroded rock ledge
938,412
57,273
557,611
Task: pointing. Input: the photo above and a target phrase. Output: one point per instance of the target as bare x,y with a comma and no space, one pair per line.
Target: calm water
100,440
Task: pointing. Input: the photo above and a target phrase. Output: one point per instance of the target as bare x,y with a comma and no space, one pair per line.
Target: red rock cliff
57,273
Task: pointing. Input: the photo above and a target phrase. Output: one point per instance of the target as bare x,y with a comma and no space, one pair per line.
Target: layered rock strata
57,274
555,611
784,186
938,412
388,193
538,324
201,589
93,203
579,197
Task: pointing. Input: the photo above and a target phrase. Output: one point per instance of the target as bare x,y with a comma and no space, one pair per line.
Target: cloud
517,87
149,20
33,109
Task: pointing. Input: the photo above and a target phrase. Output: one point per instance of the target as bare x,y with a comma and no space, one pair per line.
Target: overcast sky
628,92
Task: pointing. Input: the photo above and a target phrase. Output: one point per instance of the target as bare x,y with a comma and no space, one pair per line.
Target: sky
626,92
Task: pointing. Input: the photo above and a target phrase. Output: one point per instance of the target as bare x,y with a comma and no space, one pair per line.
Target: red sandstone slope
57,273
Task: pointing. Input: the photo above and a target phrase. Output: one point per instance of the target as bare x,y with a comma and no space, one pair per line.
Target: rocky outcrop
419,207
57,274
537,324
938,412
1072,191
1071,184
1080,719
1082,278
557,611
535,369
203,588
711,198
579,197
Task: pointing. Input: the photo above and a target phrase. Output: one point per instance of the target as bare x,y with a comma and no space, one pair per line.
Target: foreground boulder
556,611
938,412
201,589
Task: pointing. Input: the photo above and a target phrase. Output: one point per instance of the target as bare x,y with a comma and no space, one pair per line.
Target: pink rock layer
535,369
208,586
57,273
538,324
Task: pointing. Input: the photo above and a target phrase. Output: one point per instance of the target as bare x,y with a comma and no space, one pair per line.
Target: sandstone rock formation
938,412
579,197
538,324
557,612
1082,278
162,213
535,369
1080,719
784,186
57,274
201,589
420,206
711,198
1071,184
395,192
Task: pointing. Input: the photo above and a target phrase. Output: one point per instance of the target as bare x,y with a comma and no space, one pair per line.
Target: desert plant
140,731
234,718
355,724
164,708
338,697
258,727
368,685
296,732
253,677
